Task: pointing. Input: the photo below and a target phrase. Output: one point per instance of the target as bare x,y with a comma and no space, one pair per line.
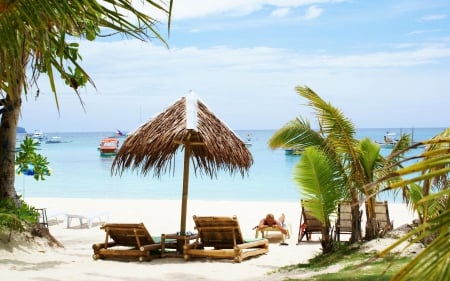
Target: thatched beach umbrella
187,124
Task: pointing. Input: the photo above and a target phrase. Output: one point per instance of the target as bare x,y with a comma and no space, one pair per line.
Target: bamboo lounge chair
130,241
382,216
221,237
344,220
264,232
308,225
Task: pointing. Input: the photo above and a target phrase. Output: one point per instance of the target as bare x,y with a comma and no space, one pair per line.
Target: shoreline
74,261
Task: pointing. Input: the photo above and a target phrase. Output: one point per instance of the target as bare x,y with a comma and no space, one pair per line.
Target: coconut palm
373,162
335,136
320,178
429,192
355,160
39,37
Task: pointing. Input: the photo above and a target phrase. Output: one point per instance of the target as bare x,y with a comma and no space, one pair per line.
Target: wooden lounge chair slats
221,237
344,220
382,217
312,224
128,242
264,232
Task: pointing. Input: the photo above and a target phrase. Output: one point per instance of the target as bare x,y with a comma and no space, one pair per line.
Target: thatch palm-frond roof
213,145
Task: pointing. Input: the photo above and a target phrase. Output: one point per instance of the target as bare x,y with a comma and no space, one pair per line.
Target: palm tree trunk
356,223
326,241
8,127
371,223
10,111
356,217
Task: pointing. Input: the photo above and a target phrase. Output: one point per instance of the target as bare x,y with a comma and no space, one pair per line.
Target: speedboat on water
37,136
109,147
389,140
55,139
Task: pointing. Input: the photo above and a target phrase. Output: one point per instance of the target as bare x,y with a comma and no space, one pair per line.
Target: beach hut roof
186,123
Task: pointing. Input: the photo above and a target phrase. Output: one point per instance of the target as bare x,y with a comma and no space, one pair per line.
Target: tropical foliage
40,37
27,159
334,160
14,217
320,178
354,161
428,193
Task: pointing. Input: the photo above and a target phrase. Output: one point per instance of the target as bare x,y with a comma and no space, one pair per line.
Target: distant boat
292,151
248,141
118,134
55,139
389,140
37,136
109,147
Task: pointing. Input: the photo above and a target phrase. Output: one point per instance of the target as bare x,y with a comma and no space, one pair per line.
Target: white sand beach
38,261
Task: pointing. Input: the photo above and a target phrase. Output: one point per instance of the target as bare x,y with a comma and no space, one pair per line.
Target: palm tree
335,137
37,35
373,162
320,178
354,160
428,194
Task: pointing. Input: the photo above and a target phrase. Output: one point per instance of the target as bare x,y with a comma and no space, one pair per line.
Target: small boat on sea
109,147
37,136
118,134
55,139
248,140
389,140
292,151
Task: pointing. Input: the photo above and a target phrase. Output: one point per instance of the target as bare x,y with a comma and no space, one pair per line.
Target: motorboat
118,134
293,151
109,147
248,140
37,136
55,139
389,140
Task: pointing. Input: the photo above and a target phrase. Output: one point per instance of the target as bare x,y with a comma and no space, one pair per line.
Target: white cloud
198,8
433,17
384,84
246,87
312,13
280,12
418,32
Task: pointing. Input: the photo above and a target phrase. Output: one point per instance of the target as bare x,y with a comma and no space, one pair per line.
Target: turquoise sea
78,171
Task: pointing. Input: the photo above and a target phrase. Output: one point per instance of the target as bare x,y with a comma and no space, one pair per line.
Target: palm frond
319,181
433,262
40,31
332,121
296,134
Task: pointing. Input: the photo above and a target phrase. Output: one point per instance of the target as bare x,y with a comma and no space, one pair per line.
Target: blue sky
385,64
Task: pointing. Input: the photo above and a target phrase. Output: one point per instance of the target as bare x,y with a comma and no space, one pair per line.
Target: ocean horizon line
268,129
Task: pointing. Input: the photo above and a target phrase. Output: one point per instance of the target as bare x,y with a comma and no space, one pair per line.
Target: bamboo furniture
382,216
343,220
308,225
221,237
182,240
264,232
129,241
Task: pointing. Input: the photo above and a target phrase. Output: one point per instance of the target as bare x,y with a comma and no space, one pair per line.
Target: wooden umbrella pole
187,155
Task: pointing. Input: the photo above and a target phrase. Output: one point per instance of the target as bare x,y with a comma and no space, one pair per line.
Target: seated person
270,221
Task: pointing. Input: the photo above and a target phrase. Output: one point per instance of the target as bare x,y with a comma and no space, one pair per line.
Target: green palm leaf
296,134
320,183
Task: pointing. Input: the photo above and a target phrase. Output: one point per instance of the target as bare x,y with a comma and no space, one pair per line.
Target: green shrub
15,218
